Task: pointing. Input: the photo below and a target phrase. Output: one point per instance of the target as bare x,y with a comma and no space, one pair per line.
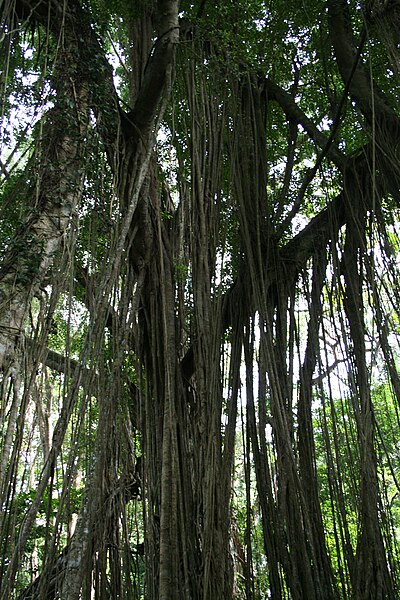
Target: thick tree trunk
55,197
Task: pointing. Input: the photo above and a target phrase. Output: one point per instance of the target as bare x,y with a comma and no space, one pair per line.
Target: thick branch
293,111
372,103
158,73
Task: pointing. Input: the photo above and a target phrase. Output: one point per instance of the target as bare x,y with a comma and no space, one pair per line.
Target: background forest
199,300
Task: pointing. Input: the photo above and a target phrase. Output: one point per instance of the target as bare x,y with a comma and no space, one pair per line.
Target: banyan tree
199,300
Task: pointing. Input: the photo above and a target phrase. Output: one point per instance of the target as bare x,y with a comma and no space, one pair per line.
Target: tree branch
372,102
159,67
294,112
